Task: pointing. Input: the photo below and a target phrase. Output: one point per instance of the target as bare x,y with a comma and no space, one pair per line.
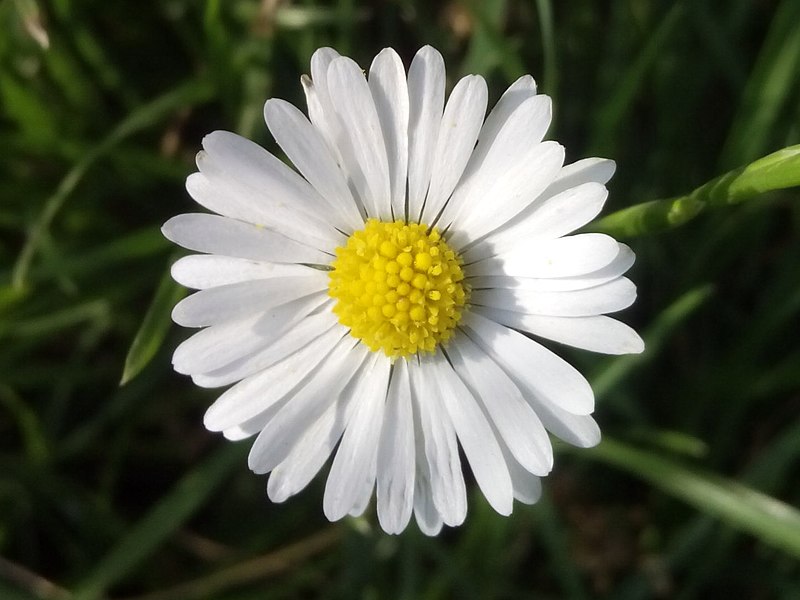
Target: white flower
382,299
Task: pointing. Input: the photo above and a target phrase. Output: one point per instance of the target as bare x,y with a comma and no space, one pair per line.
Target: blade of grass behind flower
136,246
777,171
768,90
544,9
345,17
553,535
613,111
90,51
47,324
702,534
23,106
191,92
770,520
168,515
489,48
153,329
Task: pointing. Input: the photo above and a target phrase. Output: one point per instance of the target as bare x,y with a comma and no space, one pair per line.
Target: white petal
308,151
517,425
426,101
623,261
289,337
320,62
527,486
352,474
579,430
219,235
534,369
281,193
514,152
512,191
387,82
440,446
365,153
282,433
236,434
606,298
597,333
519,91
219,345
396,456
237,300
476,437
231,198
318,98
203,271
427,516
318,441
254,425
256,394
548,218
458,132
563,257
598,170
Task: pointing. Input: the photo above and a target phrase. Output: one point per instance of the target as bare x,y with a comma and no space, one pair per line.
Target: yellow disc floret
399,287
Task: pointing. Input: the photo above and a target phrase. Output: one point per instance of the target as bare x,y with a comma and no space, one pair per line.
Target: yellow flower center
399,287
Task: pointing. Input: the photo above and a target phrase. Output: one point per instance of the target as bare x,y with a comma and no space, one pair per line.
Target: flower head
384,302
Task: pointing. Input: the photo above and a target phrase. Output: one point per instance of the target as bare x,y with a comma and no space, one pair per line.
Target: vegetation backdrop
111,487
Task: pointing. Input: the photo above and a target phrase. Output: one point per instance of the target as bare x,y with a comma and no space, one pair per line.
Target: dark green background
118,491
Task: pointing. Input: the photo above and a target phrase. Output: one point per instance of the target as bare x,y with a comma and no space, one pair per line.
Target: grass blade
191,92
768,90
165,518
153,329
777,171
615,110
770,520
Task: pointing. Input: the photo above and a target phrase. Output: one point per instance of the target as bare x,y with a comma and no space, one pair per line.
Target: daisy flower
381,301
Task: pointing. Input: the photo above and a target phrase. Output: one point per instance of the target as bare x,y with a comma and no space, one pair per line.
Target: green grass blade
768,90
171,512
28,424
552,532
615,110
154,328
544,9
770,520
192,92
489,48
136,246
777,171
48,324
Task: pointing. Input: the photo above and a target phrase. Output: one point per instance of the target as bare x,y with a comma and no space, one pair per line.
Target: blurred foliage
119,491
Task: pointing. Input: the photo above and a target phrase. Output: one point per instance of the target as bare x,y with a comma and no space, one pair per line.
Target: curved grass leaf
189,93
153,329
777,171
770,520
768,90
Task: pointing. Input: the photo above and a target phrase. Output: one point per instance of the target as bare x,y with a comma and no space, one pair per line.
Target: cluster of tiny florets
399,287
